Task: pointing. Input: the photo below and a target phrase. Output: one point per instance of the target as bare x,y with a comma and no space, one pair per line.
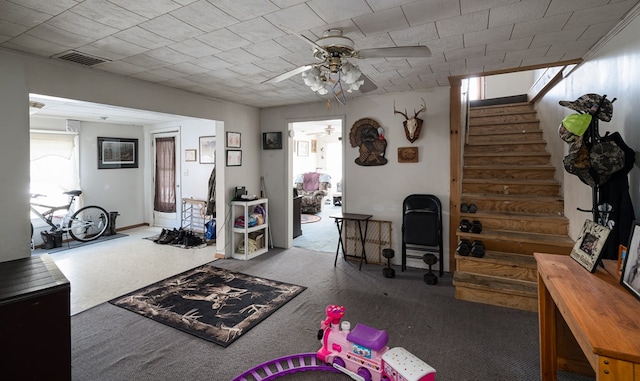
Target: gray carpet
461,340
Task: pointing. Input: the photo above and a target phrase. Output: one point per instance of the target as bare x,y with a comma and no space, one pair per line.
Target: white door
167,199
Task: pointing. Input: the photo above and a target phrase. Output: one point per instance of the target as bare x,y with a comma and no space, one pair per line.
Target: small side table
340,218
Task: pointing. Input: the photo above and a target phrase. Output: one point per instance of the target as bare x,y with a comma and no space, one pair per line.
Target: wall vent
80,58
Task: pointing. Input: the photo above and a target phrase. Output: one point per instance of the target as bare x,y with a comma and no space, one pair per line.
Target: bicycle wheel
88,223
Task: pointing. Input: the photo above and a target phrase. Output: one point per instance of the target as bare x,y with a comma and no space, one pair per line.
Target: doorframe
150,171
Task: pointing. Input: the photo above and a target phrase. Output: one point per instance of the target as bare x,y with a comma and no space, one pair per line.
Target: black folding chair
422,227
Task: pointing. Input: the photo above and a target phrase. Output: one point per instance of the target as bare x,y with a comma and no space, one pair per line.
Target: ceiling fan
327,131
333,51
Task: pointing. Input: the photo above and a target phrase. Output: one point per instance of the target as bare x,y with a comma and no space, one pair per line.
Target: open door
166,182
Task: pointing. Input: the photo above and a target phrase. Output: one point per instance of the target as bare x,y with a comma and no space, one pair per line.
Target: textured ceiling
225,49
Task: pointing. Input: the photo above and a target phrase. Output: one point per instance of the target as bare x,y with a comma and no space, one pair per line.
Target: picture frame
272,140
207,149
116,153
233,139
303,148
234,158
622,255
407,154
588,247
630,278
314,146
190,154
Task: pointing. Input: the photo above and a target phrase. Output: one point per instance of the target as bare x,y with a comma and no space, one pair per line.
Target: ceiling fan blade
368,85
394,51
288,74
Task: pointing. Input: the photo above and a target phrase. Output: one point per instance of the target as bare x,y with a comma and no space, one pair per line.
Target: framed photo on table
630,278
588,247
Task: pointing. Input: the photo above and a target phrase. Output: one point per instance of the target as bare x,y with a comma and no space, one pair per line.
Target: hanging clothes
211,195
615,192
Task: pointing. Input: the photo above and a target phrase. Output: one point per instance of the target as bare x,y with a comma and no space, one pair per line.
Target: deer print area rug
211,303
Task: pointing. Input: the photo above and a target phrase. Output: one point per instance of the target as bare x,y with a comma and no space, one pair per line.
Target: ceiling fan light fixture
34,107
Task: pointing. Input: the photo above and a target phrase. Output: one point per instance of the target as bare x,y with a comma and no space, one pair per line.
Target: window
54,165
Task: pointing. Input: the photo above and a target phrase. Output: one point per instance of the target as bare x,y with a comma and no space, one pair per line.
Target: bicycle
86,224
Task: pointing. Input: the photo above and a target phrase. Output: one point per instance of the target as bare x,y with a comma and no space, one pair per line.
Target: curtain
165,192
53,165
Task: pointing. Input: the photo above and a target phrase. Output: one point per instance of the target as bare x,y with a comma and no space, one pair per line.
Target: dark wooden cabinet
297,215
35,329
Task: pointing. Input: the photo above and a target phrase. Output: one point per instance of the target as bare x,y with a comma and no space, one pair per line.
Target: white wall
505,85
612,71
378,190
22,74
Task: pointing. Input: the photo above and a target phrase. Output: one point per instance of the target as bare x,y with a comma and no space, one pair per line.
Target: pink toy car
363,354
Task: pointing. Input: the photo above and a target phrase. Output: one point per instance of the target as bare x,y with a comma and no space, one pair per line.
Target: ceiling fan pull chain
339,95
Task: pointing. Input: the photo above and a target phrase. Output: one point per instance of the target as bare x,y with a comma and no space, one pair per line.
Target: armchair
312,186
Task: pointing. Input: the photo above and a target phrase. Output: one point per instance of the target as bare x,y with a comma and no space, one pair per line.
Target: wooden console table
589,323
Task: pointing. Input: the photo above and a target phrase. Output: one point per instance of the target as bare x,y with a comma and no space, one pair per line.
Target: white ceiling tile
33,45
166,73
194,48
246,9
296,18
596,31
49,7
276,65
511,45
121,67
573,47
148,76
51,33
380,5
211,63
21,15
475,51
9,29
108,13
142,37
415,34
375,41
542,25
145,61
168,55
525,54
548,39
293,43
256,30
266,49
170,27
394,64
568,6
488,60
541,60
148,8
469,6
237,56
223,40
383,21
287,3
422,12
204,16
470,22
98,52
248,70
74,23
188,68
483,37
597,15
335,10
517,12
117,46
445,44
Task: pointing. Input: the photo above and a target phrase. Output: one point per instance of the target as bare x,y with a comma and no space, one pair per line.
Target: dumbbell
430,277
388,272
464,247
465,225
468,208
477,249
476,227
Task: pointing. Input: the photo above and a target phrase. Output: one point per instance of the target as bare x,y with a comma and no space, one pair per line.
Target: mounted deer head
412,126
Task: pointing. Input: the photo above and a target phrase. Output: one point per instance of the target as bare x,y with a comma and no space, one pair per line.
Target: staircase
507,175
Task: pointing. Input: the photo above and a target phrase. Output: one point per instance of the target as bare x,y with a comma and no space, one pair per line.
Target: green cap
577,123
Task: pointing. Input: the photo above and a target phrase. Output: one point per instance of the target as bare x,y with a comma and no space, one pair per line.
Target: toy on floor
363,354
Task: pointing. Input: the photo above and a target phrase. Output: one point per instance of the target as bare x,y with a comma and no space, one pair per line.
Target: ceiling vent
80,58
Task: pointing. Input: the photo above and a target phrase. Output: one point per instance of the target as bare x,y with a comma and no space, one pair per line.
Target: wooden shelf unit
238,235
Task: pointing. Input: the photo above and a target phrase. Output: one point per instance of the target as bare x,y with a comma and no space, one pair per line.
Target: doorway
166,182
318,147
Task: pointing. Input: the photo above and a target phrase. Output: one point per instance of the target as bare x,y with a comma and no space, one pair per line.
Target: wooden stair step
513,147
520,242
524,222
513,203
504,265
517,294
505,137
502,171
511,186
501,119
504,128
501,109
507,158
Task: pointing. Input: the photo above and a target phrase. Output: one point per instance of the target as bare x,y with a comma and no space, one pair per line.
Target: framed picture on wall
630,278
303,148
272,140
234,158
190,155
117,153
207,149
233,139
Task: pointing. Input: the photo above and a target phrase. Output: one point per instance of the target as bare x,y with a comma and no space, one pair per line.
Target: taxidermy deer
412,126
